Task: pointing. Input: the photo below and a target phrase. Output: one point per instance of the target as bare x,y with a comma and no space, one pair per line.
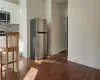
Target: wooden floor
55,68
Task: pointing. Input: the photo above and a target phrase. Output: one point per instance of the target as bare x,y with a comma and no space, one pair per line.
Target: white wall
48,5
84,32
23,25
55,29
35,8
63,9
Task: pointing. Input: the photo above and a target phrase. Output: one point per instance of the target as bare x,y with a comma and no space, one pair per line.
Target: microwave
4,16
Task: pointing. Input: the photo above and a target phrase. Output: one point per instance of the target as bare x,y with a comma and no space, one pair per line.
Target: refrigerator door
41,45
32,38
41,25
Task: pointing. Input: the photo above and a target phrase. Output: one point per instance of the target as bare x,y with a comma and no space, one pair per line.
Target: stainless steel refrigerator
38,38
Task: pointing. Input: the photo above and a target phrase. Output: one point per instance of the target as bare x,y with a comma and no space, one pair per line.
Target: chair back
12,39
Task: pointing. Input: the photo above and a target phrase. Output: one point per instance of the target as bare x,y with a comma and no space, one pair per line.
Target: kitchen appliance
2,33
38,38
4,16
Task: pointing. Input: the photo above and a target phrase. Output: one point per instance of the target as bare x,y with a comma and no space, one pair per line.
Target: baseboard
88,64
54,52
63,51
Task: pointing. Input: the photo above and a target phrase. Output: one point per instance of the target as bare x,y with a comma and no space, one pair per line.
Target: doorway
63,24
64,27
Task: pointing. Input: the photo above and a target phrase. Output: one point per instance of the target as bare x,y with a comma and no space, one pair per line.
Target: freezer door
41,25
41,45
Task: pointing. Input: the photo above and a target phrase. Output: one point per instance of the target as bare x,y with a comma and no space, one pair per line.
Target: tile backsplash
8,27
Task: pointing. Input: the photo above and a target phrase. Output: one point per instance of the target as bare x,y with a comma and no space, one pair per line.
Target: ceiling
60,1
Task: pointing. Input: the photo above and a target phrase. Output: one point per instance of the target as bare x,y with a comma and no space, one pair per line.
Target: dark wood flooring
55,68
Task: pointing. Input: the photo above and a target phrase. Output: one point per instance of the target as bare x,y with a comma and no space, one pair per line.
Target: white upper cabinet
14,10
14,13
4,6
0,5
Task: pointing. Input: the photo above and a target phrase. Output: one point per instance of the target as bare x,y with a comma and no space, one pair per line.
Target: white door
64,38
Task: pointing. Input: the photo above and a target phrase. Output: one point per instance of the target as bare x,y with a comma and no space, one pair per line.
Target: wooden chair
12,39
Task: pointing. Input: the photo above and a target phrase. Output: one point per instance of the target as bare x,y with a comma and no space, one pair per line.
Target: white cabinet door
5,6
14,13
0,5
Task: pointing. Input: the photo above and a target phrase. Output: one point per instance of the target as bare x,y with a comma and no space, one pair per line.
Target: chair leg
17,61
7,65
7,60
13,65
1,64
13,59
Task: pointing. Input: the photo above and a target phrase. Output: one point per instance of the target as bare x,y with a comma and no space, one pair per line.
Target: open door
64,33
